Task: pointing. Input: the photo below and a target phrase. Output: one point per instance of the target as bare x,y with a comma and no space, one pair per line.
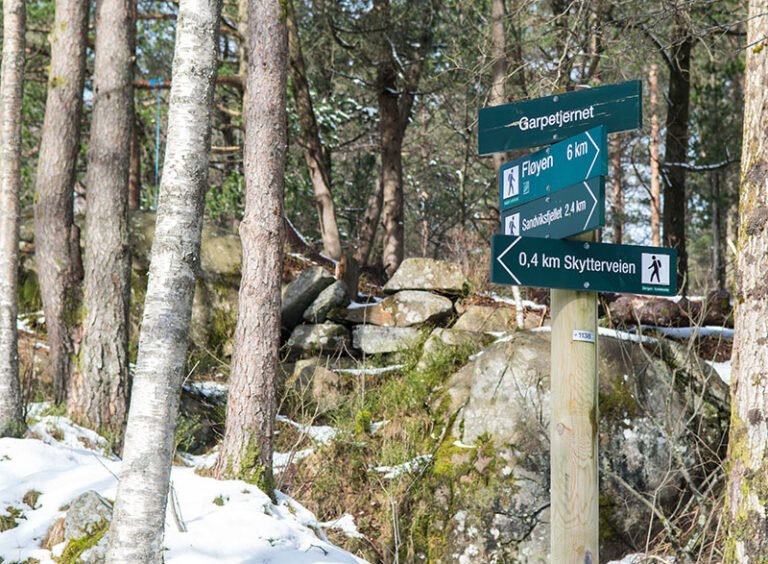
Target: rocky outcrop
301,292
427,274
320,338
489,319
404,309
334,296
372,339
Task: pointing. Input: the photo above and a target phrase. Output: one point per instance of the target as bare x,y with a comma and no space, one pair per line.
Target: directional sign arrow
539,174
581,265
567,212
541,121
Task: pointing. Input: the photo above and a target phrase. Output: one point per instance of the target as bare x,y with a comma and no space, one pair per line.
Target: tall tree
316,155
98,391
11,90
57,238
396,98
246,451
678,59
653,147
747,537
136,533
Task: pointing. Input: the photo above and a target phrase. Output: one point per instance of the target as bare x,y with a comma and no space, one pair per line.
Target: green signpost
583,265
544,172
542,121
567,212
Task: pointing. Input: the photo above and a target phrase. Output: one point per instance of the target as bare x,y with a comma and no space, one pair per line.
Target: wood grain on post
573,428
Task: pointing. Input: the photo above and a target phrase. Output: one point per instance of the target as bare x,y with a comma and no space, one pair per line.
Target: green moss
76,547
29,292
363,422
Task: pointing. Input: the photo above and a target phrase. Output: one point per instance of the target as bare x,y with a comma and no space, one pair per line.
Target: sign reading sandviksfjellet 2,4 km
567,212
539,174
582,265
542,121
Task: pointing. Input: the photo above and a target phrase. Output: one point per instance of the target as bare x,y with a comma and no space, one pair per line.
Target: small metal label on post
583,336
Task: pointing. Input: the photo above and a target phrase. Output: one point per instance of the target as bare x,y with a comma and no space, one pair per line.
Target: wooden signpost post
534,254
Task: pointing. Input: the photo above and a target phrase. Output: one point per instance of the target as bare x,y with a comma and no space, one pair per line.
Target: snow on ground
511,301
68,461
723,370
392,472
369,371
345,524
322,434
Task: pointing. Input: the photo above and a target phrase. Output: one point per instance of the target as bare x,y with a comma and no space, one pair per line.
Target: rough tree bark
246,451
57,239
653,147
315,154
136,533
676,145
618,194
747,490
98,390
11,91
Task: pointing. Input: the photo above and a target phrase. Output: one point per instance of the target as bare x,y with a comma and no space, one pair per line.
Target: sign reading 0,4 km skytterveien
539,174
542,121
567,212
582,265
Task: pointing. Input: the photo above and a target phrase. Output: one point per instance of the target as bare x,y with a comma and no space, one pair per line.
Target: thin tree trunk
246,451
134,170
746,518
316,156
499,67
654,151
136,533
57,239
98,392
370,223
618,195
11,91
718,235
676,149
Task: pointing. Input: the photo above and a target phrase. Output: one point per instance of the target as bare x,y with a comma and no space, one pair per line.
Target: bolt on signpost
558,192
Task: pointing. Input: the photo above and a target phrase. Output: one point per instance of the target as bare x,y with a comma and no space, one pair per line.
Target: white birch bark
11,88
745,508
136,533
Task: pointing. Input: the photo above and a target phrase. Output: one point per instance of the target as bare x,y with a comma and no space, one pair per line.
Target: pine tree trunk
98,391
246,451
57,239
136,533
676,148
618,195
316,156
653,146
11,89
747,533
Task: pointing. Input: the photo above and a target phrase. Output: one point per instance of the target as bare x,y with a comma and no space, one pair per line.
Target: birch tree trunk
315,154
136,533
653,147
246,451
747,490
98,391
57,239
11,90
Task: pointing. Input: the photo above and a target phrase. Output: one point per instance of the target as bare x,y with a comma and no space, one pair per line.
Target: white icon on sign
655,269
512,182
512,224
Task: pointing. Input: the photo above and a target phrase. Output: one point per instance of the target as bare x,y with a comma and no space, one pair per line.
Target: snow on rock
228,521
688,332
723,370
369,371
281,460
215,392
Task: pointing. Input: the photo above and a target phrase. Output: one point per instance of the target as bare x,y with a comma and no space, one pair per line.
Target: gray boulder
315,388
377,340
487,319
89,515
662,417
301,292
323,337
404,309
334,296
427,274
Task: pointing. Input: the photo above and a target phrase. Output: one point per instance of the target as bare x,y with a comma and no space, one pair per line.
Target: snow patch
216,392
322,434
369,371
723,370
345,524
392,472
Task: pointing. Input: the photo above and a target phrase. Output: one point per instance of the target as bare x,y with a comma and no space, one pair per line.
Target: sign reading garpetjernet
544,172
582,265
542,121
